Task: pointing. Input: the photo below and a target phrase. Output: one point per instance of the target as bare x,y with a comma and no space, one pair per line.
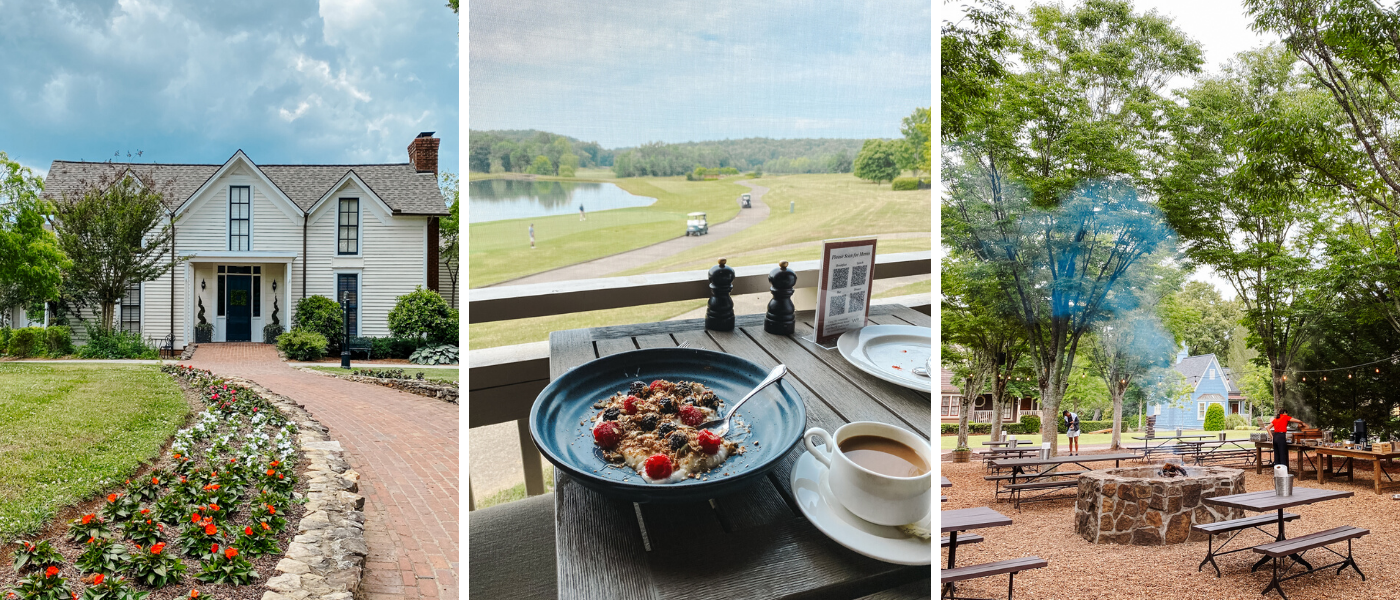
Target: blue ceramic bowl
561,420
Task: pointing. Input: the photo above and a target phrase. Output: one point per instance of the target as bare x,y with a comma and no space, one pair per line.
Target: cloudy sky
629,72
287,81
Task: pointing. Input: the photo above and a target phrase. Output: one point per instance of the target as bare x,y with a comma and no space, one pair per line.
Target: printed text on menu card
844,290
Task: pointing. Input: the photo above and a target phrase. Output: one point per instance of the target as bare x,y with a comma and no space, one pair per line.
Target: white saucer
813,495
890,352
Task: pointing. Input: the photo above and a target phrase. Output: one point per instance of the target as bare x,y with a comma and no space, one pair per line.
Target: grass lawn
68,432
949,442
536,329
828,206
500,250
516,492
437,374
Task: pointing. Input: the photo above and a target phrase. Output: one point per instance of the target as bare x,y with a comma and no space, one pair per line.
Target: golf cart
746,201
696,224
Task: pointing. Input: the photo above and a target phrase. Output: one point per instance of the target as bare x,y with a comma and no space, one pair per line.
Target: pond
501,199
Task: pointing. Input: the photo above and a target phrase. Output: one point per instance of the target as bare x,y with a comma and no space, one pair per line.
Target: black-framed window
131,309
349,282
240,218
349,226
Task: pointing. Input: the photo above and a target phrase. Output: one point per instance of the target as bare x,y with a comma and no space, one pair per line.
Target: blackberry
691,400
707,399
648,422
667,405
666,428
637,389
679,440
611,414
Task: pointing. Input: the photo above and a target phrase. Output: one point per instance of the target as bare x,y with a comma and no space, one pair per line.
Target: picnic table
955,521
1299,449
1148,449
1351,454
944,482
757,542
1030,480
1267,500
1236,448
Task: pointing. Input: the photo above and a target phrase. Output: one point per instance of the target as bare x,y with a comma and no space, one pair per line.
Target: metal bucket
1283,486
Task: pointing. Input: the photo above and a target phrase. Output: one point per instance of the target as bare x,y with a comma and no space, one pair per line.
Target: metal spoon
721,426
926,369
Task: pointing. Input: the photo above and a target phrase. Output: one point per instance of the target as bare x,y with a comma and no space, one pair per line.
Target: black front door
240,309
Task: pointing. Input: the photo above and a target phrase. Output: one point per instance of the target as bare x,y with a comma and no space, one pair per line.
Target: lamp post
346,297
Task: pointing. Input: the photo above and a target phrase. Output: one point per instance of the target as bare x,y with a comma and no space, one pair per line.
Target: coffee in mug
884,456
878,472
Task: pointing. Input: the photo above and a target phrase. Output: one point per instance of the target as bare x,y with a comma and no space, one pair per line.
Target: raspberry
607,434
658,385
668,406
611,414
637,388
658,466
709,442
678,440
666,428
692,416
648,422
629,405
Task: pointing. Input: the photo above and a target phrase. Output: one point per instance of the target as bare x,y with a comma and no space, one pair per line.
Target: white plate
813,495
879,349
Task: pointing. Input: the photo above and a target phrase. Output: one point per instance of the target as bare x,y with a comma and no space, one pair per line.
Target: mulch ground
264,565
1087,571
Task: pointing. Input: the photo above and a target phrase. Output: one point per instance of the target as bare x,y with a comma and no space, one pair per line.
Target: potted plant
204,331
962,454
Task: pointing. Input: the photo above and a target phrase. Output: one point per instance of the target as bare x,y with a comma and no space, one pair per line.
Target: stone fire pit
1141,507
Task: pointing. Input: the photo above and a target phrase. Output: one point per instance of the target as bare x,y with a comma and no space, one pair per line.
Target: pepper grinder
781,318
720,314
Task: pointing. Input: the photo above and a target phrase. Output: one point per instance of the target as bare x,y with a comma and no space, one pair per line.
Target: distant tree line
807,155
533,152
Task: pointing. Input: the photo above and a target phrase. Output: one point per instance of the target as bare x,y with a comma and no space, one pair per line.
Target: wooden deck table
1324,463
1266,501
755,543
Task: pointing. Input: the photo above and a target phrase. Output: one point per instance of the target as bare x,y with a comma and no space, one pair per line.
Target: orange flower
276,462
210,529
265,527
194,518
98,579
214,549
145,511
279,476
271,510
111,497
270,472
157,548
214,507
247,531
230,553
51,571
91,539
155,481
194,593
87,519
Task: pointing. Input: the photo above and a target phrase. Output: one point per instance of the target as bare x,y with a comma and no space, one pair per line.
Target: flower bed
212,518
394,378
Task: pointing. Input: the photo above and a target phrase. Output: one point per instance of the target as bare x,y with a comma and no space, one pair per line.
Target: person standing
532,236
1072,430
580,213
1280,427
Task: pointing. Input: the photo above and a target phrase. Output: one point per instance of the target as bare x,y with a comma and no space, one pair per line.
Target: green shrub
321,315
1215,418
27,342
1030,424
394,347
115,345
423,314
60,340
302,344
1087,426
5,339
1235,422
435,355
901,184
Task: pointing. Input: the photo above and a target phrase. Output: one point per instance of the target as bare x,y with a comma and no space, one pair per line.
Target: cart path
631,259
405,448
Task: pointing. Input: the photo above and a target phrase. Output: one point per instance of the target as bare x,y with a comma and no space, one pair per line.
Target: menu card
843,288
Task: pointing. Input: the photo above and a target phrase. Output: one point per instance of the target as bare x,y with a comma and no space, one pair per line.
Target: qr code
837,307
858,274
856,302
840,277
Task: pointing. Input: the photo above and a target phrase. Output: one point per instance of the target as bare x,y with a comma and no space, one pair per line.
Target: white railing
503,382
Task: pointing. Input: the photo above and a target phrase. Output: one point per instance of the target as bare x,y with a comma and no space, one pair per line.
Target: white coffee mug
880,499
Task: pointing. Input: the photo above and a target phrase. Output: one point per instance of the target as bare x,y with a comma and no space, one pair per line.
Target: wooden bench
1049,488
1028,478
950,577
1294,547
1234,527
966,538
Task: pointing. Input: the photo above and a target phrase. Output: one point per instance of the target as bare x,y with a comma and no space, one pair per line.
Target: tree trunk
998,392
1277,383
108,307
1117,438
1050,395
964,407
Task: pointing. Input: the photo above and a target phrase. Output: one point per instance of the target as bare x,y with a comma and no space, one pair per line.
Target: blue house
1210,383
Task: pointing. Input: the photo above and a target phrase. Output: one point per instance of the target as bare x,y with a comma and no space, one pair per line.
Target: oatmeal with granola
651,428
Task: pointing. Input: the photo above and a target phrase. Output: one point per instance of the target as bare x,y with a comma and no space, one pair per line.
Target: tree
31,265
541,166
918,136
116,232
1242,205
1200,317
479,156
568,164
980,337
972,53
450,230
876,161
1124,350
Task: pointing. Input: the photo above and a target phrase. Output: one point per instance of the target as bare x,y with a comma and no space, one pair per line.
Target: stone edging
325,561
446,393
188,353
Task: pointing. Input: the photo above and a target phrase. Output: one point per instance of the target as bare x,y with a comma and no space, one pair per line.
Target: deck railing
504,381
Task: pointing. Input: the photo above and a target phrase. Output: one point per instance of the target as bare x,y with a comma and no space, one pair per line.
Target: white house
254,239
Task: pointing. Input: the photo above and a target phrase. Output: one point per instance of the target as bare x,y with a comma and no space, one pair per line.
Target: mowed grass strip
500,250
434,374
537,329
69,432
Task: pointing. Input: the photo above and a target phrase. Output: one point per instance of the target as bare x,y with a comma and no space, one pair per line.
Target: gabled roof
400,186
948,387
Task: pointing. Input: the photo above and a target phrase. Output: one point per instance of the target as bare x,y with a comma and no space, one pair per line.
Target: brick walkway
405,448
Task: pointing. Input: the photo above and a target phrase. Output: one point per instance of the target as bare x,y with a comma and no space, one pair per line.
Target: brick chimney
423,152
